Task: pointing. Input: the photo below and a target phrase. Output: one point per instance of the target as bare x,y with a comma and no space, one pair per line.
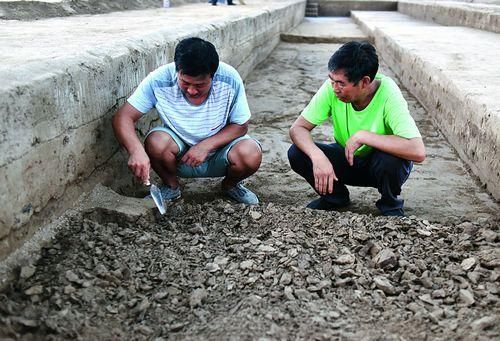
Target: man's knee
385,164
246,153
159,145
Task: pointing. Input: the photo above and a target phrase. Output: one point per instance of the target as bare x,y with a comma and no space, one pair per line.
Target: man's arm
124,127
409,149
324,175
198,153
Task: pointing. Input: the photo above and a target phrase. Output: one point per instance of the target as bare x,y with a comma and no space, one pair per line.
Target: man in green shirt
376,139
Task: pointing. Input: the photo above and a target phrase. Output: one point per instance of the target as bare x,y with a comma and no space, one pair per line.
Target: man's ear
365,81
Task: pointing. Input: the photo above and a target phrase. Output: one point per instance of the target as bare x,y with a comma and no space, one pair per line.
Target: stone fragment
221,261
466,297
384,284
265,248
440,293
212,267
288,291
385,259
345,259
27,271
197,297
468,263
286,278
71,276
69,289
489,258
247,264
485,322
255,215
34,290
303,294
425,233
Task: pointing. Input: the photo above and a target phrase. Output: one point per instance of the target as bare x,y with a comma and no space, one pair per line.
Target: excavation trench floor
212,269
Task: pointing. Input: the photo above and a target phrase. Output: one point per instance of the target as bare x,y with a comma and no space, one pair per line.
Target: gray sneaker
169,194
242,194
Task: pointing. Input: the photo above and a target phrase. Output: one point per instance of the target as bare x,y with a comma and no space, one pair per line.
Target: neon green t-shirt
386,114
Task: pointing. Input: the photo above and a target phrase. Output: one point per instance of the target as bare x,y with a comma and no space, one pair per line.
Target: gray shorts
214,166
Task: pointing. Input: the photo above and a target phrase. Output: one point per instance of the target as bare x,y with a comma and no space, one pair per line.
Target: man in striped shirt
205,114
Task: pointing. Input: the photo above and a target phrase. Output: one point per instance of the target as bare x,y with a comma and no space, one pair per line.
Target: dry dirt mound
222,271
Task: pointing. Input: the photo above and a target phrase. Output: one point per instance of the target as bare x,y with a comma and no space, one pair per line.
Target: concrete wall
343,8
56,131
483,17
33,10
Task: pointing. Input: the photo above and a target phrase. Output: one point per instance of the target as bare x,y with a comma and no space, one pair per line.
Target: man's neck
364,101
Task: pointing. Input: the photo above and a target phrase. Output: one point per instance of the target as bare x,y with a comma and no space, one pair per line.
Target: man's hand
139,164
196,155
352,144
324,175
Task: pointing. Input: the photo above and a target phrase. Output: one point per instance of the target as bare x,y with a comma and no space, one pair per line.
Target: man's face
195,88
346,91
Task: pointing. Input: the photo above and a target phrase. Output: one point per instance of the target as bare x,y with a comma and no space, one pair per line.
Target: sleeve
319,108
143,98
239,110
398,118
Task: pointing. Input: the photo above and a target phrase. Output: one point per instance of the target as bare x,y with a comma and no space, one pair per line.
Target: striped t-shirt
225,104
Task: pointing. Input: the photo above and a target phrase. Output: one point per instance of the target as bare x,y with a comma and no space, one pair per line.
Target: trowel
156,195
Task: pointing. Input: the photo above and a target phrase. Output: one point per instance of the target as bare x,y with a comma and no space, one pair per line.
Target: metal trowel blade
156,195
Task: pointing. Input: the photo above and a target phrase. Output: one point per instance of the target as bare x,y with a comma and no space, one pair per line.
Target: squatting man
204,112
375,138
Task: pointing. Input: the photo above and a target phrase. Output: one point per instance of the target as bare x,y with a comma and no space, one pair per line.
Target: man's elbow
420,153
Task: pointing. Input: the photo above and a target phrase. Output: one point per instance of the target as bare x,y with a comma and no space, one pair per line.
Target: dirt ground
213,269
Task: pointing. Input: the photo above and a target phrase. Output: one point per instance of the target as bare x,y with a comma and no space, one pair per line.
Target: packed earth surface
213,269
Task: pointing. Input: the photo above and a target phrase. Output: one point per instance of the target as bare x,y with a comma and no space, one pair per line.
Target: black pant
380,170
229,2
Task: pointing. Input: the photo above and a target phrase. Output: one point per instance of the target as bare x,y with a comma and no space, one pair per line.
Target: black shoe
322,204
231,4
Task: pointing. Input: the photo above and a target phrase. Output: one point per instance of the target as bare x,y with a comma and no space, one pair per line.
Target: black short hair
356,59
195,57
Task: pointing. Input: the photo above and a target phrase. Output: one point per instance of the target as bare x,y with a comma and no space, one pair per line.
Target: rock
265,248
34,290
197,297
345,259
288,291
489,258
212,267
286,278
221,261
385,259
485,322
468,263
440,293
27,271
303,294
69,289
466,297
384,284
72,277
255,215
425,233
247,264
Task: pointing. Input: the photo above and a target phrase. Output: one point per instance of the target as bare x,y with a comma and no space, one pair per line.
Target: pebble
468,263
27,271
384,284
385,259
485,322
466,297
34,290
